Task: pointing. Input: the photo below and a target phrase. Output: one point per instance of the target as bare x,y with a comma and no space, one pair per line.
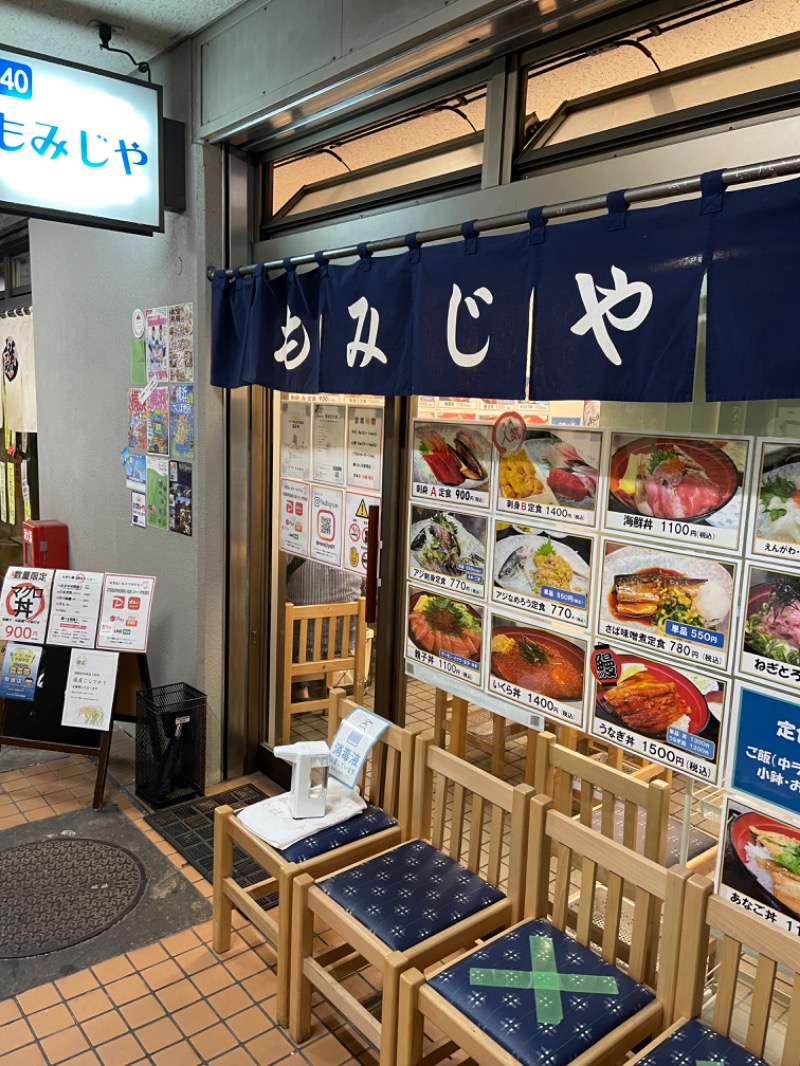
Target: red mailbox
45,543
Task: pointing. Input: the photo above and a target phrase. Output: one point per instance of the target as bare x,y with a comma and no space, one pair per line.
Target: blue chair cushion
540,995
406,895
372,820
695,1043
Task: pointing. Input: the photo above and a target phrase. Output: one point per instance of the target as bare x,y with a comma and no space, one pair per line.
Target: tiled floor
172,1003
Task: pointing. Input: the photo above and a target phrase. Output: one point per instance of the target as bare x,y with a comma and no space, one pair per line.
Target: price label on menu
451,464
544,571
445,634
677,604
685,489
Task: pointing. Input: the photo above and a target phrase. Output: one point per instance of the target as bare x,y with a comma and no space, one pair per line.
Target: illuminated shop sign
79,146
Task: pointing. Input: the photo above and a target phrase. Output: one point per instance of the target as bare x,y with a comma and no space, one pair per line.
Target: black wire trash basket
170,744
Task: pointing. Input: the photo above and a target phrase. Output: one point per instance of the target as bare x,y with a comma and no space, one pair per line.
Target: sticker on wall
180,498
686,489
446,634
554,474
545,571
542,669
676,603
157,492
758,867
452,464
775,521
138,323
155,340
672,716
180,343
139,510
448,550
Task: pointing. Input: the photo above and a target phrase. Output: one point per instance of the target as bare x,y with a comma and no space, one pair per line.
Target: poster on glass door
365,448
356,524
328,434
296,440
327,525
295,509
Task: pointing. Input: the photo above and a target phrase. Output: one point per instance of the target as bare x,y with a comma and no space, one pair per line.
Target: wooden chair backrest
475,818
387,780
567,864
625,803
750,955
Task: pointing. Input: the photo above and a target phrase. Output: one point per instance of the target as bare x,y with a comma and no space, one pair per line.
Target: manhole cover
56,893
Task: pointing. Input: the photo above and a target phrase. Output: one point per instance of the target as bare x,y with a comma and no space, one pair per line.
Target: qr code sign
325,525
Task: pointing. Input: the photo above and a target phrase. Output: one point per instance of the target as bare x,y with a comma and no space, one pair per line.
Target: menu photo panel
678,604
775,518
448,549
540,668
445,633
545,570
673,716
553,475
769,635
690,490
451,464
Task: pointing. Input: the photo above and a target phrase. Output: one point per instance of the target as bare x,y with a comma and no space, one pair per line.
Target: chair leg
223,867
283,948
410,1023
302,947
394,966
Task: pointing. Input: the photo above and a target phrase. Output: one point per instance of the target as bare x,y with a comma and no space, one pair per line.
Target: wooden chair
419,902
317,643
743,1008
548,991
615,804
387,821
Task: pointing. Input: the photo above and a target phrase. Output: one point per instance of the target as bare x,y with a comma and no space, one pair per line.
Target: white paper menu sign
75,609
91,683
353,743
125,612
25,604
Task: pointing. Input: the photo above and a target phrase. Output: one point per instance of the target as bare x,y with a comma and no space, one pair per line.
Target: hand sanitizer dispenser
309,759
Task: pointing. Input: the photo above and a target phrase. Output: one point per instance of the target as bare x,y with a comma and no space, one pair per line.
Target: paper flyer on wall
452,465
125,612
25,603
26,489
447,550
75,608
3,496
546,571
352,744
137,420
181,421
19,373
157,492
11,486
180,498
89,695
554,474
138,363
155,336
181,343
690,490
158,421
19,671
135,472
139,510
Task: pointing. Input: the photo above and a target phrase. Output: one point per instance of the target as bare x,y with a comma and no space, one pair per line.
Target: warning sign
356,520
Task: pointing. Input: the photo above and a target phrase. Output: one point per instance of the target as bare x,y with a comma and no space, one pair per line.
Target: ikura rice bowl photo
537,660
